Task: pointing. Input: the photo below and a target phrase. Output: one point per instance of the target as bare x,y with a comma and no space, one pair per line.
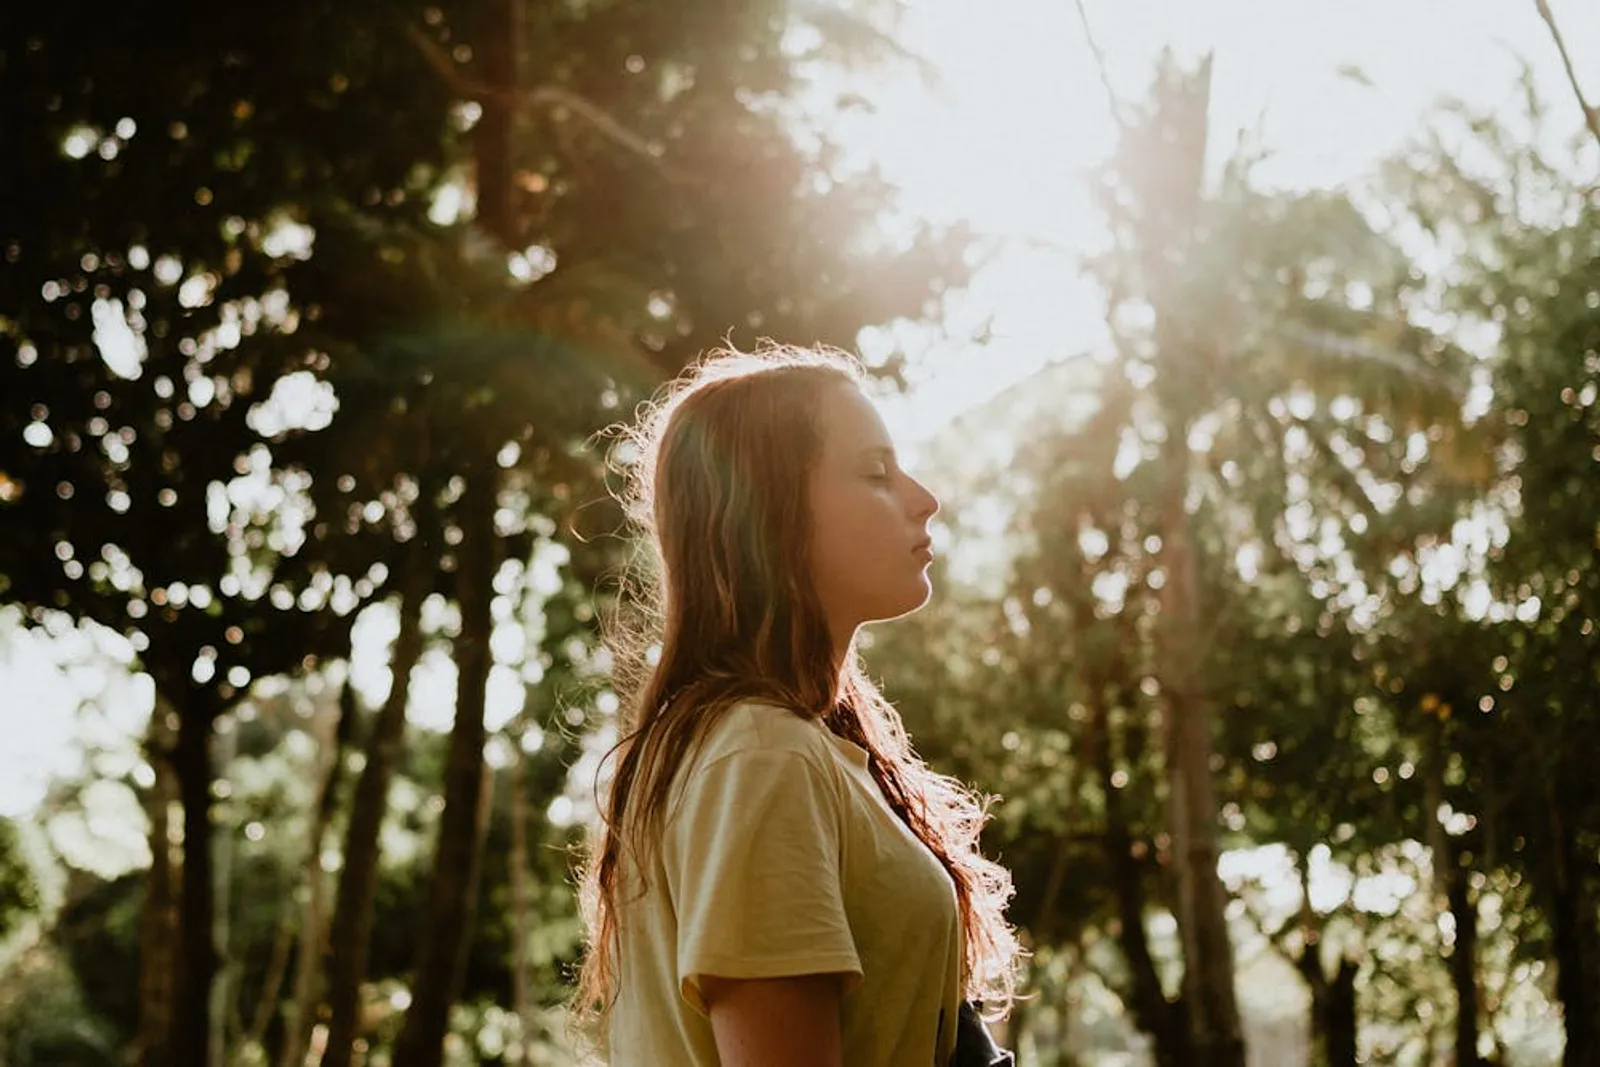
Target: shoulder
757,748
773,731
759,764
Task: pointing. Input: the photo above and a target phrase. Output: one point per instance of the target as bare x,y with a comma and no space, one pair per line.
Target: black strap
974,1046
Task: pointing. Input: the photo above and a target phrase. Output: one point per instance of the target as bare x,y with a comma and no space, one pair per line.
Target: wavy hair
723,610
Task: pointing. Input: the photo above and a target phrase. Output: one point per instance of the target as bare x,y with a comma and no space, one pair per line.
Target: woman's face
870,547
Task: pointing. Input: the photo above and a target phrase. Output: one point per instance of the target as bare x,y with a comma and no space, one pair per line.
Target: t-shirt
779,857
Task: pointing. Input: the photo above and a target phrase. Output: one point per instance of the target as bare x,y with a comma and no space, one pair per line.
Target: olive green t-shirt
779,857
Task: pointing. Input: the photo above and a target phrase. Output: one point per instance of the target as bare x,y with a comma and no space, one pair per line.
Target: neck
842,655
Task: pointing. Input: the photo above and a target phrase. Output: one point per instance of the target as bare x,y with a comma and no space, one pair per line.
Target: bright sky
1024,115
1019,117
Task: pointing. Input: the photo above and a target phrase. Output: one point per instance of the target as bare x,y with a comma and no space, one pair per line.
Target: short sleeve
752,858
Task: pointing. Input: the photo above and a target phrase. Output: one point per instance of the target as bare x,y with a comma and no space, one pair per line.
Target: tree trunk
1333,1026
226,741
458,858
1572,921
1451,881
521,920
1464,965
1309,963
159,912
1333,1008
297,1024
198,967
499,33
301,1011
1208,986
350,935
1152,1012
272,982
442,956
1339,1024
1168,154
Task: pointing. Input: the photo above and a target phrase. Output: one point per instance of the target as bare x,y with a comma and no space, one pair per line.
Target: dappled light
1253,351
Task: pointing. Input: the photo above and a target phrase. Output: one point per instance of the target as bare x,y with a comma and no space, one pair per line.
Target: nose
924,504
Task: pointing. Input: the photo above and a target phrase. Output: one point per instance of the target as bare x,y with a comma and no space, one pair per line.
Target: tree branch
1590,116
1100,63
545,97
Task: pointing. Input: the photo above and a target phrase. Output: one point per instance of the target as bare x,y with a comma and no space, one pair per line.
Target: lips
923,548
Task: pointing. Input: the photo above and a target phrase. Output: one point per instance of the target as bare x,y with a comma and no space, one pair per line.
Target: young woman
779,879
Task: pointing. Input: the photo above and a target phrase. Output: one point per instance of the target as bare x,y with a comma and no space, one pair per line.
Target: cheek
841,536
831,535
858,545
852,522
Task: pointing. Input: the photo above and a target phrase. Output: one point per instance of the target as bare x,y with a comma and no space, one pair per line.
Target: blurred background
1253,348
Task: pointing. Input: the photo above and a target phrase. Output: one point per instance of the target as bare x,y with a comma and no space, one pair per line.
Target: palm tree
1246,314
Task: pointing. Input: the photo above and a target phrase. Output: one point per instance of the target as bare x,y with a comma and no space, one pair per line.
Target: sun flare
1018,116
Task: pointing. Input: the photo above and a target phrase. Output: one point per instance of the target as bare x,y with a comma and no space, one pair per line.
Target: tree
1525,264
155,176
350,928
1551,570
1229,302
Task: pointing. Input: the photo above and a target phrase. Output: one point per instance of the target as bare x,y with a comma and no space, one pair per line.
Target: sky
1003,142
1022,116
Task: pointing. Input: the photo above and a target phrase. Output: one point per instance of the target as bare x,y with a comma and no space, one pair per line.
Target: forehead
849,422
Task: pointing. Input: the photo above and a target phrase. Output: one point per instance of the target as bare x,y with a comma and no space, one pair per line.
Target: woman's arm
776,1022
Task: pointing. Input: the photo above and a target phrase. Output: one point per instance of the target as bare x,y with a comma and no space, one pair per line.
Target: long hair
725,612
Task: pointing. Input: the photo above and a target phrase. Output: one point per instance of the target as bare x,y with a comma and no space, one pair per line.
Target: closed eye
879,465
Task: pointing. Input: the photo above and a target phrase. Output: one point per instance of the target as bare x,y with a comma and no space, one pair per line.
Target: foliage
256,366
250,355
1366,561
19,893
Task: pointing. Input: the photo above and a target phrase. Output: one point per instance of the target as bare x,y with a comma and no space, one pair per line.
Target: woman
779,879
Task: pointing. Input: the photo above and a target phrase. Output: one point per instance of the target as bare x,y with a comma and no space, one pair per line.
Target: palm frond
1360,366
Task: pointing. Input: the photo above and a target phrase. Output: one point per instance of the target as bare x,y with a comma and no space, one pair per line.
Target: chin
905,603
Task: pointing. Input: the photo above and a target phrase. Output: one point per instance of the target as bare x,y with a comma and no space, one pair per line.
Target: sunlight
66,687
1019,117
1243,637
